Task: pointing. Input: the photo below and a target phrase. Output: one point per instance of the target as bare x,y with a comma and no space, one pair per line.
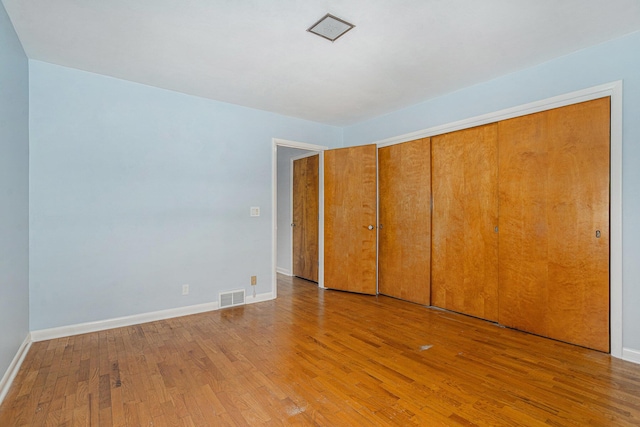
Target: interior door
404,182
350,219
305,217
554,223
465,216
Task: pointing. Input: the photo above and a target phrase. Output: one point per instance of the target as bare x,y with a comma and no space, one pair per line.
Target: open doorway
284,152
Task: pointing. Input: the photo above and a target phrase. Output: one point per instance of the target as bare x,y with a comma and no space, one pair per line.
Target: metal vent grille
231,298
330,27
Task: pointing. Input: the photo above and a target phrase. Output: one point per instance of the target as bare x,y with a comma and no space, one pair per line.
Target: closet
521,223
554,223
507,222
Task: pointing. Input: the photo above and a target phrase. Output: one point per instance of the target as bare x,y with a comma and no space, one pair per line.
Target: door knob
370,227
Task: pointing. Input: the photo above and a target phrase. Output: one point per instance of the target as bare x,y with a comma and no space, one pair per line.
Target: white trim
284,271
274,217
583,95
614,90
631,355
267,296
299,145
14,367
118,322
615,222
276,142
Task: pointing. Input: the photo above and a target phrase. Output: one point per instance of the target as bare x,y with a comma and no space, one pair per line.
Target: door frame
319,149
294,158
613,90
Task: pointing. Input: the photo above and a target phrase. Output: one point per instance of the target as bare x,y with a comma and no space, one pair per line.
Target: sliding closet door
465,216
305,217
350,219
554,223
404,182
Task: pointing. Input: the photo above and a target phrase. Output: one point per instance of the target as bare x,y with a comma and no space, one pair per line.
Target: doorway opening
284,152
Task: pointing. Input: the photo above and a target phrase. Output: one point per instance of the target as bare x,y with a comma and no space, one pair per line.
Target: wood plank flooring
325,358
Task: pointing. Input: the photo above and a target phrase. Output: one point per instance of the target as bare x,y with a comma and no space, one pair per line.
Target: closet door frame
612,90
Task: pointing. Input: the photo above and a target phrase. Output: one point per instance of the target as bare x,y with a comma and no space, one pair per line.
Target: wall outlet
254,280
185,289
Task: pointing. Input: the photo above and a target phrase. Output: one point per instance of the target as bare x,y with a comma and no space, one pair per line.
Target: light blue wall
14,190
615,60
137,190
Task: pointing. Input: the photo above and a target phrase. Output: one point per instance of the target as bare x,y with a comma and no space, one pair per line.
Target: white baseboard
136,319
101,325
631,355
284,271
250,299
14,367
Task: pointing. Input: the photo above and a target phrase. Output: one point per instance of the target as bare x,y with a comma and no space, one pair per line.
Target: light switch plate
255,211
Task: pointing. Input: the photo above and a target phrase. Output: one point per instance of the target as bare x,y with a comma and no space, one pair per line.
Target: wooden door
350,219
465,215
305,217
404,183
554,223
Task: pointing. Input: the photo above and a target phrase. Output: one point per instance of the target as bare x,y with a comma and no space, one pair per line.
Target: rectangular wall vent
231,298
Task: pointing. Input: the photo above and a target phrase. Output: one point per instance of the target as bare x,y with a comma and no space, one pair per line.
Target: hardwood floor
315,357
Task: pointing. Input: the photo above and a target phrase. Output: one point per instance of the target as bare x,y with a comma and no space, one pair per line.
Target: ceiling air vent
330,27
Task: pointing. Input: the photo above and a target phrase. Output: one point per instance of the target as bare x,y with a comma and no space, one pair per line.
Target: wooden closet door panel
405,221
350,204
465,214
305,217
554,197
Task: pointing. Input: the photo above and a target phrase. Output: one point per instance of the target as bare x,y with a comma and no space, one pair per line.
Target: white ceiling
257,53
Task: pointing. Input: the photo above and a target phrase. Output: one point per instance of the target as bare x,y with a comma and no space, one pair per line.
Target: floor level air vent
231,298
